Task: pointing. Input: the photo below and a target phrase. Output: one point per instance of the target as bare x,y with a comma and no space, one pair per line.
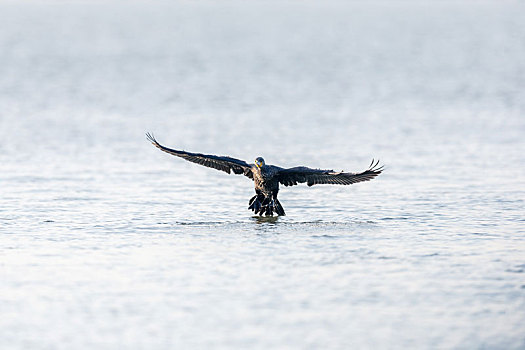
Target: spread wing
293,176
226,164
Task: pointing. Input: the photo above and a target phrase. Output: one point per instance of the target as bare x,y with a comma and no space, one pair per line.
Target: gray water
108,243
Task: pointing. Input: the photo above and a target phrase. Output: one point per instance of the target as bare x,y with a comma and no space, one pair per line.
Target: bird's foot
266,206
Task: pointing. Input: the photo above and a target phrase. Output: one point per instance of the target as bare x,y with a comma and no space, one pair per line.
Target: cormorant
268,177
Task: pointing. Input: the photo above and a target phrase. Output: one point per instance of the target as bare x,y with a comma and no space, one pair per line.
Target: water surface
108,243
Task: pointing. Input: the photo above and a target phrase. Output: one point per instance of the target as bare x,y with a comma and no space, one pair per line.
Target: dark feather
223,163
257,206
279,208
293,176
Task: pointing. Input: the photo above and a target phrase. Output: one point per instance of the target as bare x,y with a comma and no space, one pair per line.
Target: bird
267,177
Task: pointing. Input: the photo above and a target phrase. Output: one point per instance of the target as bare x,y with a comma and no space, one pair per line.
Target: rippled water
108,243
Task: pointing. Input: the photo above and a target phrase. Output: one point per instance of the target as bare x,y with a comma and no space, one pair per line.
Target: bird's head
259,162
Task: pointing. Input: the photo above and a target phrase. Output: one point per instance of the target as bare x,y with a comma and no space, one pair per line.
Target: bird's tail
265,206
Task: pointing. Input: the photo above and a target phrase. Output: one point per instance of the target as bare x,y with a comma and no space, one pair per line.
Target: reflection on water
108,243
265,219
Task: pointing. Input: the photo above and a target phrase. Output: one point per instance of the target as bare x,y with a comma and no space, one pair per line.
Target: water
109,243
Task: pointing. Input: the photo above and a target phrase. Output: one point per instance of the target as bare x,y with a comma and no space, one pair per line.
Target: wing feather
222,163
293,176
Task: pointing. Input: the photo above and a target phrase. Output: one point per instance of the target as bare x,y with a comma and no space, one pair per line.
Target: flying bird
267,178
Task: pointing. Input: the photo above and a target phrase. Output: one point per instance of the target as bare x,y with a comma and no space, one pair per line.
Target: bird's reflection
265,219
